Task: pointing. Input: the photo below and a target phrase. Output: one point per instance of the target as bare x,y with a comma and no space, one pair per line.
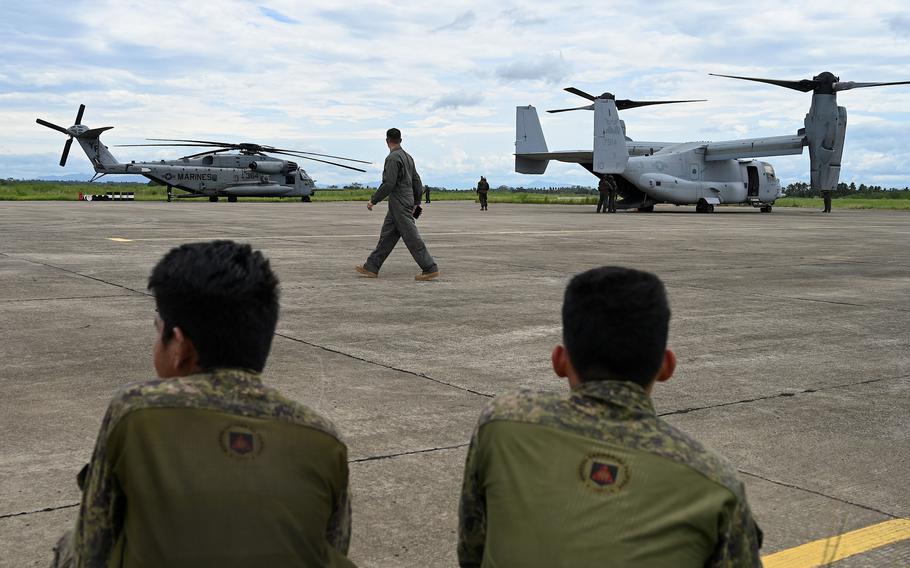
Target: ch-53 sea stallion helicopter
701,173
250,172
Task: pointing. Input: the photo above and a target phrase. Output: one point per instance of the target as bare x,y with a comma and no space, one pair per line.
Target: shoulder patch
240,441
603,473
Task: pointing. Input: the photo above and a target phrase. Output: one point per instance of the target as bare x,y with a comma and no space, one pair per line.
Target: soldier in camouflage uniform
593,477
207,466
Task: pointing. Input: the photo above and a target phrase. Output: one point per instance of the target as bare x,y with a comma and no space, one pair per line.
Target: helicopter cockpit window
208,160
769,170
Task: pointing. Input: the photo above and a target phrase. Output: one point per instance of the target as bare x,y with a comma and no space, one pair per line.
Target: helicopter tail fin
529,140
610,152
97,152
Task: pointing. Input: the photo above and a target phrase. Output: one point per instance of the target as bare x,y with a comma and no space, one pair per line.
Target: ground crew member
426,191
207,466
401,184
603,188
826,196
483,188
592,476
611,202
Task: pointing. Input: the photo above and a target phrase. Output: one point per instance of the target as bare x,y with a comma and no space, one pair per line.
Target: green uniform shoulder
615,412
233,391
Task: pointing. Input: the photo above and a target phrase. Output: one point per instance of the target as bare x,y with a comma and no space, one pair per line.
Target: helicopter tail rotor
70,132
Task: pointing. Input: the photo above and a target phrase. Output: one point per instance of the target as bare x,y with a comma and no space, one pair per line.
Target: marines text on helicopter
212,173
701,173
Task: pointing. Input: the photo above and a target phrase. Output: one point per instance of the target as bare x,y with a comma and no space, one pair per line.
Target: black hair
615,323
224,296
393,135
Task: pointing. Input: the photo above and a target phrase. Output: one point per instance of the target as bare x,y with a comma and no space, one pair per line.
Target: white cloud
338,77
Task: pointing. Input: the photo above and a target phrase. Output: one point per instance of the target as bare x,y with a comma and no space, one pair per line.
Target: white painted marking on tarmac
119,240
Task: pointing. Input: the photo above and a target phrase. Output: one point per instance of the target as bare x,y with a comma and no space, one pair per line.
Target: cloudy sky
331,77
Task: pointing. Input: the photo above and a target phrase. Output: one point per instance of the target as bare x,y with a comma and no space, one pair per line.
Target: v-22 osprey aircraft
701,173
250,172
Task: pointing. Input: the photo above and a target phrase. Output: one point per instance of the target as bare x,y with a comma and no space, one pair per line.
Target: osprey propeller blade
621,104
825,83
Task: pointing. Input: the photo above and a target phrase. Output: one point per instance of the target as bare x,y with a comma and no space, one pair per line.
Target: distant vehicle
249,171
703,174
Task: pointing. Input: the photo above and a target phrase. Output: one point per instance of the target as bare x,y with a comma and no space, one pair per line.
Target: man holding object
402,185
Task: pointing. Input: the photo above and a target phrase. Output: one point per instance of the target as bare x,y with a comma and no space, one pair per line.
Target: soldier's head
615,326
217,306
393,137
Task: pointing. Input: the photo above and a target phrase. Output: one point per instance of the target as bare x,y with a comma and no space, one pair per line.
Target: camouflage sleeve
389,178
339,530
739,541
472,511
101,510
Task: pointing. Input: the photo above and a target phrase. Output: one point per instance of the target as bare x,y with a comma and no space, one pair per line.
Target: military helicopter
701,173
249,172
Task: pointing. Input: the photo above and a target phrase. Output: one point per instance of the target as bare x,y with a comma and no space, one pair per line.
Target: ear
560,358
667,367
185,357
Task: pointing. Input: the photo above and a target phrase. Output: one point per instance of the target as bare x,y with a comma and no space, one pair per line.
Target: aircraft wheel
648,209
213,199
232,199
710,208
766,209
305,199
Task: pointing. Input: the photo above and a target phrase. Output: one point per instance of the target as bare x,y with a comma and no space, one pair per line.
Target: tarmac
791,328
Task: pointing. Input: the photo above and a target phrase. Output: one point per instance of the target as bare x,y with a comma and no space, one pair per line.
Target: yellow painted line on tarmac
119,240
824,551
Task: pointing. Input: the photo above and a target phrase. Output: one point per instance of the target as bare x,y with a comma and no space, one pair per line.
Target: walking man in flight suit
401,184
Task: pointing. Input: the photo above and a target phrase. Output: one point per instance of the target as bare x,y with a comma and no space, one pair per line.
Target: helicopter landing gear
647,209
213,199
232,199
704,207
765,209
305,199
170,194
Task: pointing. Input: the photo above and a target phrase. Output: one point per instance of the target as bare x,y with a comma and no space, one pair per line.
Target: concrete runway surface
792,331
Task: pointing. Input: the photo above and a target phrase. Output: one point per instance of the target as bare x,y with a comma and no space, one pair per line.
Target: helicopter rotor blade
586,107
580,93
318,160
66,151
847,85
53,126
209,142
301,152
79,114
206,153
626,103
171,145
805,85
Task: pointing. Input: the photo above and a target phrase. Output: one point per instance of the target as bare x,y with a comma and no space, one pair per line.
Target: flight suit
594,478
213,469
401,184
826,196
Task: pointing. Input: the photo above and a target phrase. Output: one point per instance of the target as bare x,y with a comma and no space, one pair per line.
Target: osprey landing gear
232,199
704,207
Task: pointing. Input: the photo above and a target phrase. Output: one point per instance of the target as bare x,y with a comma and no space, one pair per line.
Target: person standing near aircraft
602,189
593,476
611,200
426,192
826,196
483,188
401,184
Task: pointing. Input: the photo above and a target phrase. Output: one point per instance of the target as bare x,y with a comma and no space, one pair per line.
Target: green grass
846,203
